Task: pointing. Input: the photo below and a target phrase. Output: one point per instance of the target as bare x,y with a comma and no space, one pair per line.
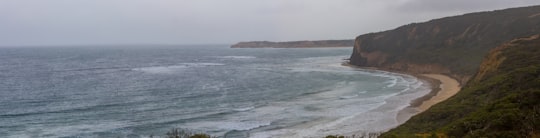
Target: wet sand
442,88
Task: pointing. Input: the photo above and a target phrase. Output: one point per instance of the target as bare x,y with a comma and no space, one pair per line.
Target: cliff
453,46
295,44
501,100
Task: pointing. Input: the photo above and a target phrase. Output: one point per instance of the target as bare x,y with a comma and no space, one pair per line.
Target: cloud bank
115,22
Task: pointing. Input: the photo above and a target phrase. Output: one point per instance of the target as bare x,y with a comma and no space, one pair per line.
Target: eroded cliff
453,46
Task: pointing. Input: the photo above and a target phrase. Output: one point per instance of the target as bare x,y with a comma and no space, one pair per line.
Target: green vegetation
457,43
505,102
334,136
501,93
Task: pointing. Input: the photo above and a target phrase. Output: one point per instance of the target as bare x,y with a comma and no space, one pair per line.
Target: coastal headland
295,44
495,64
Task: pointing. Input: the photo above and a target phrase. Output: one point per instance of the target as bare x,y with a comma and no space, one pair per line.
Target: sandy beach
443,87
448,88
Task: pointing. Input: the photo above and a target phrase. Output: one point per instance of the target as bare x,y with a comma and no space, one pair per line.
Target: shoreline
297,47
442,88
413,108
447,88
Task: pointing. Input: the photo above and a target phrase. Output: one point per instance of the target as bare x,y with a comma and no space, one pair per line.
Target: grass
503,103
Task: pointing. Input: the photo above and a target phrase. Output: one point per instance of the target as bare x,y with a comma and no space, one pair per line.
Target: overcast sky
112,22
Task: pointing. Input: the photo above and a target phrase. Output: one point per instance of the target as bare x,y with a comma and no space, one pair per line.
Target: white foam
373,114
160,69
332,113
348,96
392,82
202,64
228,125
417,85
244,109
322,113
72,130
322,64
238,57
174,68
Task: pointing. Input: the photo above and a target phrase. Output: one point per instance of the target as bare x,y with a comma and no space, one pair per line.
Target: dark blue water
143,91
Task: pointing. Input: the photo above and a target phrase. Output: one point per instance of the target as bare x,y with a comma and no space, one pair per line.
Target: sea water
147,91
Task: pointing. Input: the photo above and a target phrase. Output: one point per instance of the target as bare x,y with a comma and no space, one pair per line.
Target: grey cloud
460,5
87,22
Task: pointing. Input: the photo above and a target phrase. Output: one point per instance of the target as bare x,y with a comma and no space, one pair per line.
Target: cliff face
295,44
454,45
501,100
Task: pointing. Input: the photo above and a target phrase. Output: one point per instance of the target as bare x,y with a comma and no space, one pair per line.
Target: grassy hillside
502,100
454,45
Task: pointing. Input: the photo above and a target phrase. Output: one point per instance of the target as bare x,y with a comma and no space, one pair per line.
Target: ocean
144,91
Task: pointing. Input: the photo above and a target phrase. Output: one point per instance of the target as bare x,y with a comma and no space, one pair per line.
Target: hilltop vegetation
454,45
495,56
502,100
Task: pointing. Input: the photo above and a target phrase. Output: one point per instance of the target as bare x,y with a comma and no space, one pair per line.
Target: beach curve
448,88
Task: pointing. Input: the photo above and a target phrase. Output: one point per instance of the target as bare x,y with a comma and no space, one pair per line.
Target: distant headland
295,44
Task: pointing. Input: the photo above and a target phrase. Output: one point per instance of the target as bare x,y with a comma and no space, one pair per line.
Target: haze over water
138,92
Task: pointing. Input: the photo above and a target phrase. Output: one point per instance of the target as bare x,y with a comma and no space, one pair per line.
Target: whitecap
160,69
239,125
392,82
76,129
244,109
238,57
202,64
348,96
174,68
